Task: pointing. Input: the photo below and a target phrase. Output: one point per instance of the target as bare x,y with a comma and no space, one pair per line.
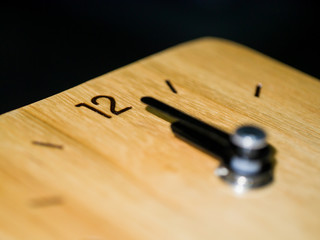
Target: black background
49,46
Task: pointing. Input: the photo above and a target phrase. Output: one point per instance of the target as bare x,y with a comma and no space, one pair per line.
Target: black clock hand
210,142
245,155
197,132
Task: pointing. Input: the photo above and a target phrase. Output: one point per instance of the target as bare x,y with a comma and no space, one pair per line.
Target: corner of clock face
99,148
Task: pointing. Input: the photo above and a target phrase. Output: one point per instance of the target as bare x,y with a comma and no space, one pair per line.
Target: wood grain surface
69,172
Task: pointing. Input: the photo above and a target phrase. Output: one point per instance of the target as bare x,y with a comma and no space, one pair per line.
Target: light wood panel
128,177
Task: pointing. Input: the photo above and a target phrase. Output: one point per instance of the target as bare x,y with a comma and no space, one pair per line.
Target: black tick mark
47,144
171,86
258,90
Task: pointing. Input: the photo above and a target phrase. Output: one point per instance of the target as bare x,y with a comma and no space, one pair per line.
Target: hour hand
245,156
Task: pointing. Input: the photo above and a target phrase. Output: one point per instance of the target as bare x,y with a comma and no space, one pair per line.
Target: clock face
93,163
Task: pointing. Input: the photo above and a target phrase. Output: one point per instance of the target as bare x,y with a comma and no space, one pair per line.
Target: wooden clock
95,163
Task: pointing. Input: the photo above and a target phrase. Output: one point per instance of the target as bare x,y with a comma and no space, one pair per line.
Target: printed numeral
113,110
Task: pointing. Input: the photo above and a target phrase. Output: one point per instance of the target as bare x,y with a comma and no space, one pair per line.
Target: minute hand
195,131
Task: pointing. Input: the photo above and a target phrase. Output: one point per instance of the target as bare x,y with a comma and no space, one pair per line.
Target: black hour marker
46,201
171,86
258,90
47,144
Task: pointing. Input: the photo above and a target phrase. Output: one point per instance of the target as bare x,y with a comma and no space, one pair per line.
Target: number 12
94,100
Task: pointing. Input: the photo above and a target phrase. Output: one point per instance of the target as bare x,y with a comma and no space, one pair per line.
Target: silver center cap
249,137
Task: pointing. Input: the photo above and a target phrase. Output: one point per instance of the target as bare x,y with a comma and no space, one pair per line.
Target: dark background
49,46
